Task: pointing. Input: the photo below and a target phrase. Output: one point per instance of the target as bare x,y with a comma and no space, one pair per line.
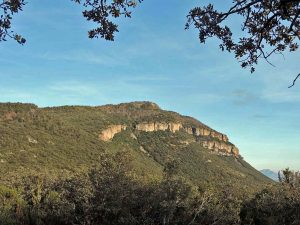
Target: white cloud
85,56
73,88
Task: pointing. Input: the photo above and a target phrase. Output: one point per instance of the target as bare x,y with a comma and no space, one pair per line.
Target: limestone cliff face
157,126
221,145
222,148
111,131
173,127
201,131
208,138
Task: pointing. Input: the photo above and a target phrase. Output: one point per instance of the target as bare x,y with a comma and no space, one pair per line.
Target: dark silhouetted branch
295,80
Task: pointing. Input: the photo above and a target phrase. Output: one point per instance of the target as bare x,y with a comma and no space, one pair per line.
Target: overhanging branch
295,80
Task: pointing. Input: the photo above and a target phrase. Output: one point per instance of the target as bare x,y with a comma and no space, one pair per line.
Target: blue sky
153,58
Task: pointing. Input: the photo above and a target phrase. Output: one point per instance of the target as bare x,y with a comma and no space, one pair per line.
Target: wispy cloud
73,88
86,56
243,97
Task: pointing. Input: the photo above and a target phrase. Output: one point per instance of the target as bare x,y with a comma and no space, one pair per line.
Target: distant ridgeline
60,141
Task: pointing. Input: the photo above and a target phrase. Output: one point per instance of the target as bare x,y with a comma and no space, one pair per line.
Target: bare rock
132,135
31,140
111,131
158,126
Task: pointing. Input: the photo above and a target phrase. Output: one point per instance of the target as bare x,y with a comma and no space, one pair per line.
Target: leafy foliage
110,194
270,27
290,178
7,9
101,13
11,205
278,205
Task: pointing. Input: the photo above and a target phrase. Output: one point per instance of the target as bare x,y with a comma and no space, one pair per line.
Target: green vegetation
61,141
56,170
112,194
276,205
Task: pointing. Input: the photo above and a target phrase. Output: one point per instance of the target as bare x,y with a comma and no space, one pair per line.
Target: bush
11,206
276,205
112,194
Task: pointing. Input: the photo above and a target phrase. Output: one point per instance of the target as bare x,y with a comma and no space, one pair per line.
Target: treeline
112,194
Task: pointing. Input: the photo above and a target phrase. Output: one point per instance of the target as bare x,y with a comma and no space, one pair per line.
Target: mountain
270,173
60,141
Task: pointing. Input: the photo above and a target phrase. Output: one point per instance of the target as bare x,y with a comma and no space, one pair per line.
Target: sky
153,58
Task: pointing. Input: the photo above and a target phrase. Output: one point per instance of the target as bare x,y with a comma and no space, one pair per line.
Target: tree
268,26
7,9
278,204
44,204
275,205
11,206
289,177
101,12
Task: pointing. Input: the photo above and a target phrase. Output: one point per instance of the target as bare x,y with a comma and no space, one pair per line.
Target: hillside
270,173
61,141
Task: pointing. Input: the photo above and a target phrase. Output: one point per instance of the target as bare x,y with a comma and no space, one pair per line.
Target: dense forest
58,168
112,193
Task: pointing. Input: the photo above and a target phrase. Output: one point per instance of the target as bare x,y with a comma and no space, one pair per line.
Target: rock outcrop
219,143
111,131
173,127
201,131
9,116
158,126
31,140
222,148
208,138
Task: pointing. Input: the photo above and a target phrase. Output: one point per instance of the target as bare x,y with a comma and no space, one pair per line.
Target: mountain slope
270,173
61,141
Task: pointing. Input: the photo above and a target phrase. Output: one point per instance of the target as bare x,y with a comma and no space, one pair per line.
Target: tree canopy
268,26
100,12
7,9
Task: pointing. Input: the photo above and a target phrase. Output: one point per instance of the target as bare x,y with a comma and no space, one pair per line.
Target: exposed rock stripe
156,126
222,146
111,131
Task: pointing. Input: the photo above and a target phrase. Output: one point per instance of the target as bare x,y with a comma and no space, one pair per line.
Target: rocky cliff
222,148
208,138
157,126
200,131
111,131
